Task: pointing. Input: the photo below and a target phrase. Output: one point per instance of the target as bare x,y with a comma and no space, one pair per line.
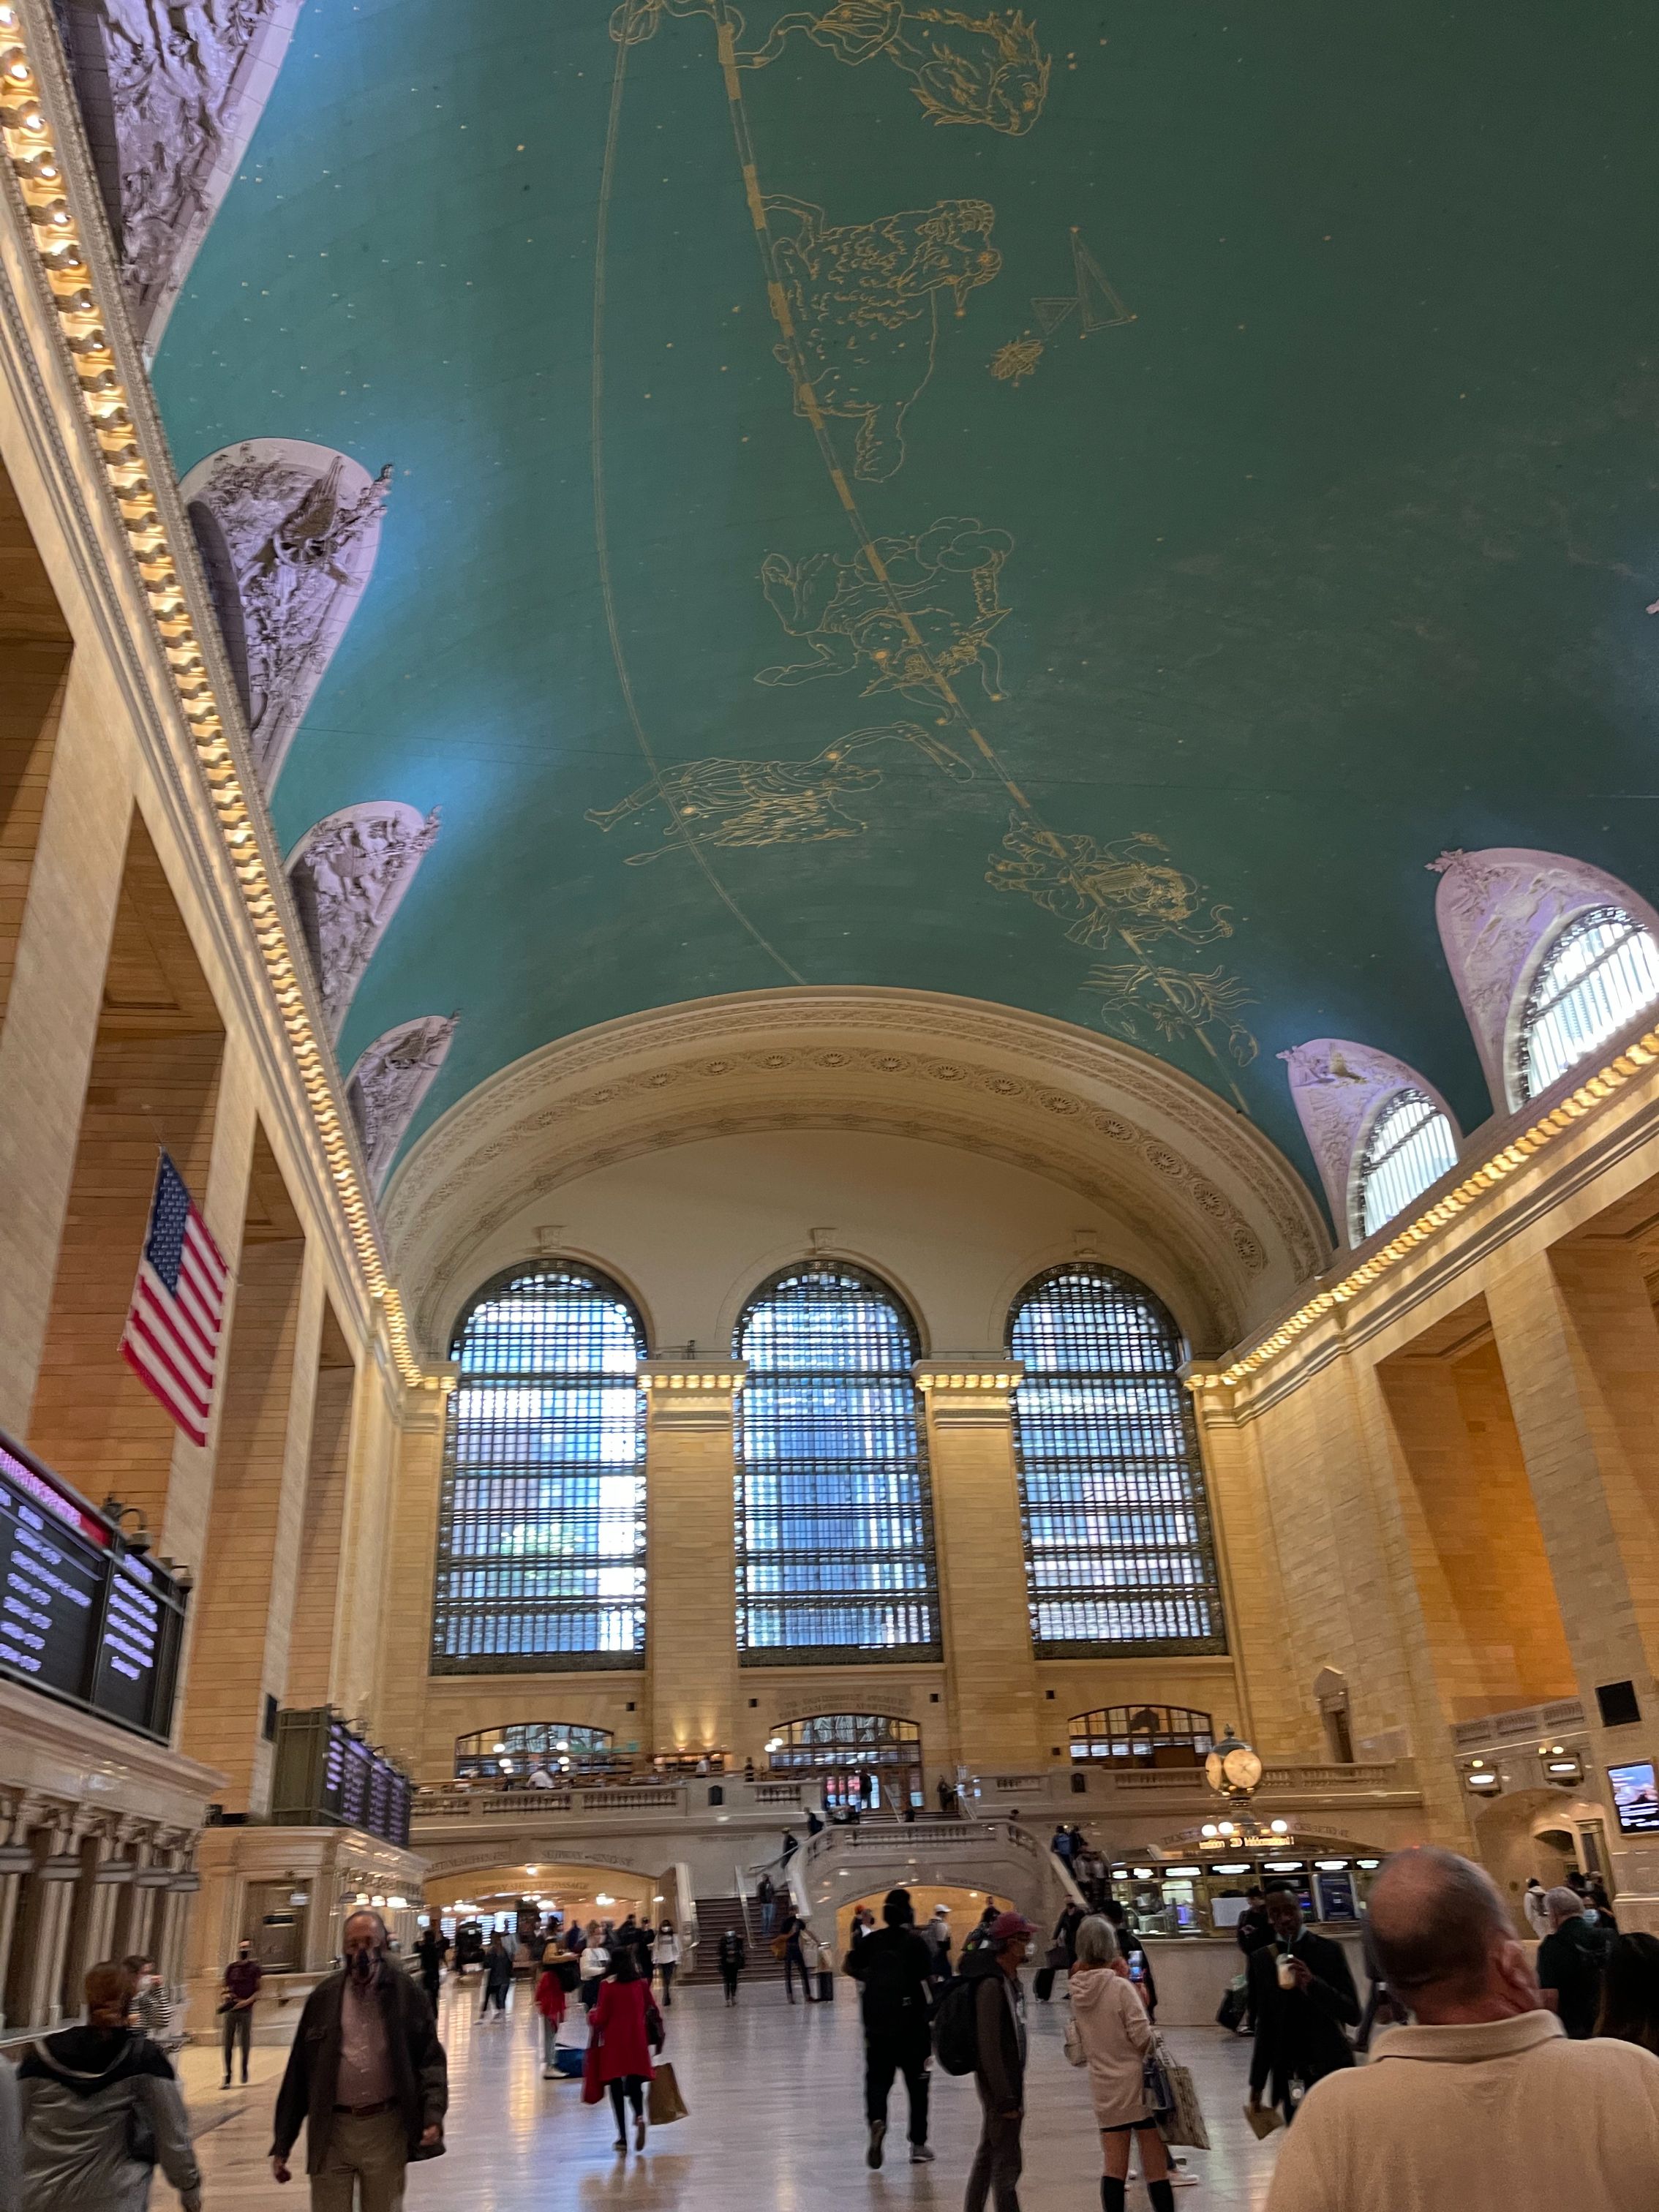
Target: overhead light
1279,1827
1209,1829
1332,1866
1143,1873
1242,1867
398,1903
1180,1873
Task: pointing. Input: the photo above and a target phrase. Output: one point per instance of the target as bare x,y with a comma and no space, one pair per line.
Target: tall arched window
541,1528
1410,1147
1118,1546
835,1519
1595,979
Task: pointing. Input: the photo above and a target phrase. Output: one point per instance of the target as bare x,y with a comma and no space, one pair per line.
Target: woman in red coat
623,2024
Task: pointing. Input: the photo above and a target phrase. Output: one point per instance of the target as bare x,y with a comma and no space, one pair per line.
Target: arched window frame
466,1637
1168,1403
1367,1163
913,1566
1534,999
1340,1089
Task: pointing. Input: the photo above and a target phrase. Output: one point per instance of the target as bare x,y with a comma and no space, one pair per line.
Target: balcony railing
1393,1774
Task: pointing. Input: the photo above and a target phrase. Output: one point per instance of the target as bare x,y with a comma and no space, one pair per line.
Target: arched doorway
866,1762
1141,1736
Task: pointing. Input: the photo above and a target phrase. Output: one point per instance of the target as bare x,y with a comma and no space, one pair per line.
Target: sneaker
550,2074
878,2135
920,2155
639,2132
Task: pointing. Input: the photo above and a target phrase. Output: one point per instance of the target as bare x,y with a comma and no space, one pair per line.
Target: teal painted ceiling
1076,513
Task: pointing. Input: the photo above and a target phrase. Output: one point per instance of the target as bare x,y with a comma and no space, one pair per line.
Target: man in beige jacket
1482,2103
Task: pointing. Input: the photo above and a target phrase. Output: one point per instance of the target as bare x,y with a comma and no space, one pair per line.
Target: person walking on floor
497,1976
792,1934
151,2012
937,1937
999,2060
367,2079
766,1897
595,1965
732,1958
1117,2037
88,2098
430,1952
893,1968
1481,2104
1569,1967
1533,1905
551,2004
667,1957
239,1993
1302,1996
625,2027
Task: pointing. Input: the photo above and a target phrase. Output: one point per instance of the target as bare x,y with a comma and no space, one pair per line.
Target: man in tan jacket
1482,2103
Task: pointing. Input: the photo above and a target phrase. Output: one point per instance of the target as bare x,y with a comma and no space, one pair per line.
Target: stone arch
1338,1088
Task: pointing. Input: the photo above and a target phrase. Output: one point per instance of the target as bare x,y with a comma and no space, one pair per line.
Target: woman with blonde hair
101,2110
1116,2037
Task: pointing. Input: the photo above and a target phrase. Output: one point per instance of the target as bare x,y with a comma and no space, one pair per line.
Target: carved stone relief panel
1497,911
349,873
171,91
288,533
1337,1087
390,1080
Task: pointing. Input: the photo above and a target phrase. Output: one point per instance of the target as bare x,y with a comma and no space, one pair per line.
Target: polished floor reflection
777,2123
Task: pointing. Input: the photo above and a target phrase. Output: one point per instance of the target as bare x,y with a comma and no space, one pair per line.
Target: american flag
171,1341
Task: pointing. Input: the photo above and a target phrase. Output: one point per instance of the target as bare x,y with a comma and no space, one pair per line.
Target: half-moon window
1410,1146
1598,975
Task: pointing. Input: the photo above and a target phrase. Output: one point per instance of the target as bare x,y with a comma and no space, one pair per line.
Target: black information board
403,1794
353,1794
326,1776
83,1617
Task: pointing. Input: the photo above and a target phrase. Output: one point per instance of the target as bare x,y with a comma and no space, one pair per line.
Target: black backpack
956,2025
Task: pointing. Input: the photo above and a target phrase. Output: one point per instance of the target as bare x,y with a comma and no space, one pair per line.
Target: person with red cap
1000,2060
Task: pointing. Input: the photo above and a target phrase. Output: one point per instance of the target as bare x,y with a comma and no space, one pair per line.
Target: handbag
778,1946
1154,2082
1184,2122
1055,1958
664,2102
1073,2045
655,2033
593,2088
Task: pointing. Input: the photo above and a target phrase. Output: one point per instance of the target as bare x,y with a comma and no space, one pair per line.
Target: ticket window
277,1926
1165,1908
1335,1896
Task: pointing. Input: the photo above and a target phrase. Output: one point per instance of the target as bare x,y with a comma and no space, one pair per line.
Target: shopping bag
1154,2082
1184,2122
664,2102
593,2088
1263,2119
1071,2045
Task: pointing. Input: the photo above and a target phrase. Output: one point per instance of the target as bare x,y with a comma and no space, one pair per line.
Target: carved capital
970,1392
691,1393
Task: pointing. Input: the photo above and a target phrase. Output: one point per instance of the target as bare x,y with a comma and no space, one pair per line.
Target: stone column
406,1640
990,1674
691,1477
1252,1585
1579,1346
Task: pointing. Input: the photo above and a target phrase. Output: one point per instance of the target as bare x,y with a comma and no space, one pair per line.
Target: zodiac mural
985,70
1103,891
1174,1002
924,607
863,303
1093,302
772,802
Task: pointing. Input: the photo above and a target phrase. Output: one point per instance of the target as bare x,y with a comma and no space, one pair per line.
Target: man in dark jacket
1569,1961
1299,2011
893,1968
999,2065
367,2079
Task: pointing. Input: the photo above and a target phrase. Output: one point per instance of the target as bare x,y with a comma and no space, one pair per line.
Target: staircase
714,1916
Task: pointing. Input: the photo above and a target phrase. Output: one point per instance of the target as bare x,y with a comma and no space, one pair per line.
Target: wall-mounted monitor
1635,1797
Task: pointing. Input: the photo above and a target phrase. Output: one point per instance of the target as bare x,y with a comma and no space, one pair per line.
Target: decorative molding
288,533
348,875
691,1393
973,1393
391,1078
1338,1089
170,96
1498,911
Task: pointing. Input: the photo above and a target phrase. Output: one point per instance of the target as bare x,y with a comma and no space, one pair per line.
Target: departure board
353,1793
83,1617
326,1775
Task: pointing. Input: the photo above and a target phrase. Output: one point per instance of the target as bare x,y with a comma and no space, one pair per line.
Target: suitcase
568,2061
826,1986
1045,1984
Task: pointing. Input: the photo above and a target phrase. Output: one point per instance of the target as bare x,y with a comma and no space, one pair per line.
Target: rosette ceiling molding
1066,508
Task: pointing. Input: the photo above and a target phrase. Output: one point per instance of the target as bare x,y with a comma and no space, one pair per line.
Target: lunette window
1119,1553
1598,975
834,1515
1410,1147
541,1531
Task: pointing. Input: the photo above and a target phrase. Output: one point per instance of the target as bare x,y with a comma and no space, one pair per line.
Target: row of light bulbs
37,163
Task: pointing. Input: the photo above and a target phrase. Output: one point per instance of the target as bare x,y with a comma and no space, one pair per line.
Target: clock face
1243,1768
1214,1772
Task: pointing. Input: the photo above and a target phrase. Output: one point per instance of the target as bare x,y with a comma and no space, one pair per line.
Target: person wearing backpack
99,2109
980,2029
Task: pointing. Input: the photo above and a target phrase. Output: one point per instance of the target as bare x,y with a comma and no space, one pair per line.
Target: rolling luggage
826,1986
1045,1984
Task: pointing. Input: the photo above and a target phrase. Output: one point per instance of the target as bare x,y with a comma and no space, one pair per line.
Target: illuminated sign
1635,1797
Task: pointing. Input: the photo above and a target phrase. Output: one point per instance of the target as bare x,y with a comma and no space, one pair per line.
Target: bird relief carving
171,90
348,874
288,533
391,1077
1337,1088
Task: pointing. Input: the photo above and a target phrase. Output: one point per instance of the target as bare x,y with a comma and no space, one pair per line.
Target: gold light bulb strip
1592,1093
32,146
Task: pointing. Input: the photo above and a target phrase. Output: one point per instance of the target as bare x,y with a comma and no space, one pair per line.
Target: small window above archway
1598,975
1412,1143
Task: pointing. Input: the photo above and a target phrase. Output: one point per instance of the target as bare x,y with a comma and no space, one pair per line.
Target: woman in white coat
1116,2036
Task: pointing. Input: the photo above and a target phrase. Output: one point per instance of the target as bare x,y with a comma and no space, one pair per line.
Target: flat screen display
82,1617
1635,1797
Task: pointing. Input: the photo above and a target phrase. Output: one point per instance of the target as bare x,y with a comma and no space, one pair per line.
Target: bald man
1481,2102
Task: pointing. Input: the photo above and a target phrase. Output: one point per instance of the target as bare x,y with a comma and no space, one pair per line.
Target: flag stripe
171,1341
159,1358
187,1421
201,1291
166,1328
202,1246
204,1322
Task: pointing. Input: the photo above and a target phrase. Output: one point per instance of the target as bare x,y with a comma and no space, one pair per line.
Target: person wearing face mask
667,1958
239,1995
367,2079
151,2009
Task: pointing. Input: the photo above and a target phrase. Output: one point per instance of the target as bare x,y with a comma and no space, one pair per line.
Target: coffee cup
1286,1972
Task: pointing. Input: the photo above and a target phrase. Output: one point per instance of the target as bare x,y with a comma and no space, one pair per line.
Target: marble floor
777,2123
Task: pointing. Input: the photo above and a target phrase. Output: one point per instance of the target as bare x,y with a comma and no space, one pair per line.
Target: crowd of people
1500,2081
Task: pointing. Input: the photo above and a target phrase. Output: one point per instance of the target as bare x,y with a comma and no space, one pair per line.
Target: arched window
1410,1146
1595,979
1118,1548
834,1520
541,1527
519,1747
1142,1735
